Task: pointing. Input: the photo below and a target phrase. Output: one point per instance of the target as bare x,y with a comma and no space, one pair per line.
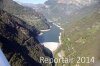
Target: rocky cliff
18,42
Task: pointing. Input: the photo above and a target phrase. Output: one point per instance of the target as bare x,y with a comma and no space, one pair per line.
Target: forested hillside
18,41
81,39
29,15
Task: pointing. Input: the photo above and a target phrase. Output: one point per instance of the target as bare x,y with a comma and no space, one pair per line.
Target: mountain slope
18,41
81,39
76,2
62,11
27,14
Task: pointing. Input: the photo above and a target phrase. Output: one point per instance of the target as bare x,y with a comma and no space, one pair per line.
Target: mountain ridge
18,41
63,12
29,15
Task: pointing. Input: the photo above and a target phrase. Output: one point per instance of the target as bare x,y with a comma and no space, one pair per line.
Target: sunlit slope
82,39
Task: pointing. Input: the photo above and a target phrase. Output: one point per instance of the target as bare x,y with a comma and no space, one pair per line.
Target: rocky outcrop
17,40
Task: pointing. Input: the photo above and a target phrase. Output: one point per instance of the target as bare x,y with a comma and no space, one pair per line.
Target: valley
59,29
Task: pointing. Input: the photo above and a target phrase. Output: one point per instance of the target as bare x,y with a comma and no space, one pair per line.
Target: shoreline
53,46
60,34
58,26
45,30
42,31
60,42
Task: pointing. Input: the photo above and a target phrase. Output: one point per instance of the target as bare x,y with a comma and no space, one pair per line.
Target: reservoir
51,35
50,39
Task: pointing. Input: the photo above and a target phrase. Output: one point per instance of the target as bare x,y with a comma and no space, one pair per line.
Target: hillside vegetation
62,11
29,15
82,39
18,42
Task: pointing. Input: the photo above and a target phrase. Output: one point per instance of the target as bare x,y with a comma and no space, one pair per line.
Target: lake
50,36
